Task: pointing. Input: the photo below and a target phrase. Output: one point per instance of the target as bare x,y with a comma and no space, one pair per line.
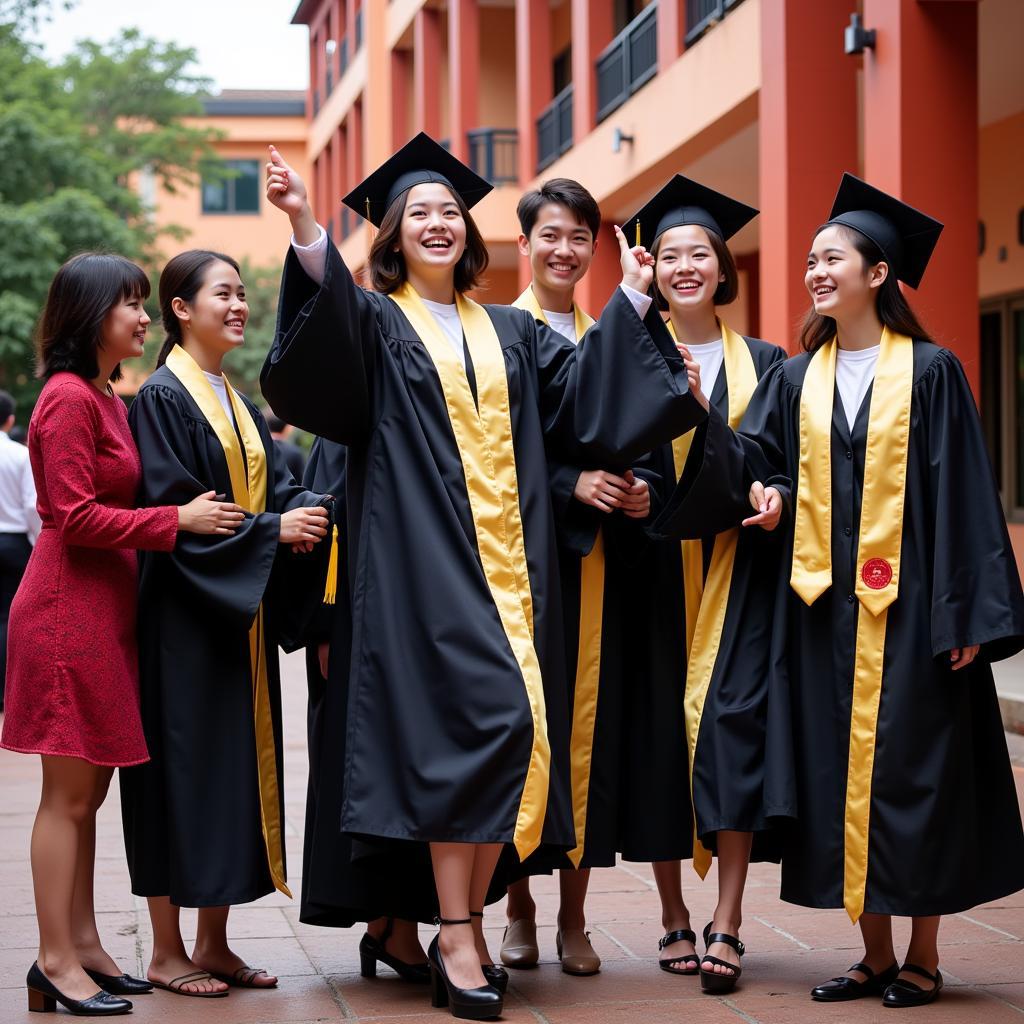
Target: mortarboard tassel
331,585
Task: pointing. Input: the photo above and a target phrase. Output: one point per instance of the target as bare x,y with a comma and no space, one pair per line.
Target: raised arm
318,374
68,426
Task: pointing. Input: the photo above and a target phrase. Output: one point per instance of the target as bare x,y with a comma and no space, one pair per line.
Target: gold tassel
637,233
331,585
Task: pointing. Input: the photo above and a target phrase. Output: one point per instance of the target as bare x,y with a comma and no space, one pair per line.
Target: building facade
759,98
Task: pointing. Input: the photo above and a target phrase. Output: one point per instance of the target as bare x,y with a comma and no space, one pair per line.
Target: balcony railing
343,55
554,129
493,154
316,102
703,14
359,30
628,62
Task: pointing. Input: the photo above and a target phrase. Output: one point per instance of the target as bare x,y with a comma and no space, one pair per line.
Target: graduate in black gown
706,707
204,819
902,590
595,511
457,718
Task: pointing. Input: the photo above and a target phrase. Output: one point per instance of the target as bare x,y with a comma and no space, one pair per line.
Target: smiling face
687,270
123,333
216,316
840,282
560,248
432,237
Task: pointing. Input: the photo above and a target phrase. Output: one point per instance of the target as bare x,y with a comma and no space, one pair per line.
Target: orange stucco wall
1001,200
497,67
259,237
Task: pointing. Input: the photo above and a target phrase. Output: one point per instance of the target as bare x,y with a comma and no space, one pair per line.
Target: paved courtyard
789,948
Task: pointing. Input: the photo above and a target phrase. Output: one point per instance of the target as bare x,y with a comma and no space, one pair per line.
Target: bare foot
166,971
224,962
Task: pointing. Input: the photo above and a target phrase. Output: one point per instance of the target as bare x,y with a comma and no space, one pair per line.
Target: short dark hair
81,294
726,291
6,406
890,304
563,192
388,271
181,279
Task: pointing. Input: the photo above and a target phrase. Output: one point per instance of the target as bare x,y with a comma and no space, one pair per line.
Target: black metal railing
316,102
554,129
346,222
343,55
329,77
359,30
704,14
628,62
493,153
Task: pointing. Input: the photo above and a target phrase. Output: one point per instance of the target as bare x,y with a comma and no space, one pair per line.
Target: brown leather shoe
519,944
576,952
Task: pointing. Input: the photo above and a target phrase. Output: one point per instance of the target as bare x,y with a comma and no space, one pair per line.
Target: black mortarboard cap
684,201
420,160
905,235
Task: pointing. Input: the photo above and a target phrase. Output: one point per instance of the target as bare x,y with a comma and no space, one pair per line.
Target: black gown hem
765,821
192,902
1010,635
369,833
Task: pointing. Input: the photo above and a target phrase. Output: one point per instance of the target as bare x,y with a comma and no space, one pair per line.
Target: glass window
239,193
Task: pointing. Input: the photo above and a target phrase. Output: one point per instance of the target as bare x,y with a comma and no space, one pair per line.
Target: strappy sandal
244,977
710,981
668,964
175,985
903,993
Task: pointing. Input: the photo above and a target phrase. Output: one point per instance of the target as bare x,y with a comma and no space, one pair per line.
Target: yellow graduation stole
247,468
878,556
484,438
707,601
588,651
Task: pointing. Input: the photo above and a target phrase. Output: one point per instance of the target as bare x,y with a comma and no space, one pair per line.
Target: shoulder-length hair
726,291
890,303
82,293
388,271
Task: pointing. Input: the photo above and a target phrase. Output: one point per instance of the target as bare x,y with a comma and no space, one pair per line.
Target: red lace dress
72,665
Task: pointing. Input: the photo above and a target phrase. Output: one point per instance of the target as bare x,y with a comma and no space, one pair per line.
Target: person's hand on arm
206,514
303,527
601,489
637,503
767,504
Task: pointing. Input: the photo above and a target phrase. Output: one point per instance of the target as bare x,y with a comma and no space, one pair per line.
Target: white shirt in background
709,358
17,490
220,390
855,370
563,323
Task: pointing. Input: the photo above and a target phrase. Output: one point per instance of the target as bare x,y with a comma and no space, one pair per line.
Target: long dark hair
388,271
181,279
726,291
890,304
82,293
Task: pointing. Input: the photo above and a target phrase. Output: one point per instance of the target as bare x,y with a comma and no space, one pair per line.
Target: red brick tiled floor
790,948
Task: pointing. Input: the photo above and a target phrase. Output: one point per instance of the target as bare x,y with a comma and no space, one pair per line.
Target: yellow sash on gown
878,556
247,468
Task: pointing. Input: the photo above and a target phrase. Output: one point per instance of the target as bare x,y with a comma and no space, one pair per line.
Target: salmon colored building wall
1001,265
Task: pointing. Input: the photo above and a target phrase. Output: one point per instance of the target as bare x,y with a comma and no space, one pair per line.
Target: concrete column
533,78
401,88
426,71
377,110
463,72
671,29
592,30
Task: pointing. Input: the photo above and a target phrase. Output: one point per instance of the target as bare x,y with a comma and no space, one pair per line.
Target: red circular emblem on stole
877,573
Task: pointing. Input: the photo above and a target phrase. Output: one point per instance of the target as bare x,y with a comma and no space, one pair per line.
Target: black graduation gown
192,814
440,731
742,772
945,829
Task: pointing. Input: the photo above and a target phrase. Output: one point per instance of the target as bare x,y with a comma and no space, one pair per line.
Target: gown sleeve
976,588
227,573
619,394
318,374
69,429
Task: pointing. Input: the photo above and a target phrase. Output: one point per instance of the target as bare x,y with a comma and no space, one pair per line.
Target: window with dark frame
238,193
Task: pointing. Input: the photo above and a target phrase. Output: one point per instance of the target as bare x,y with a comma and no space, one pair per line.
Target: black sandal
710,981
842,989
371,950
668,965
905,993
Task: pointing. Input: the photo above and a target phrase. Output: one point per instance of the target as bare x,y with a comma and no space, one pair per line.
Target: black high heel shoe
482,1003
371,950
710,981
495,976
120,984
43,997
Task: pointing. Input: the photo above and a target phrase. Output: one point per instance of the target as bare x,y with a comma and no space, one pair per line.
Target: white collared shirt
17,490
855,370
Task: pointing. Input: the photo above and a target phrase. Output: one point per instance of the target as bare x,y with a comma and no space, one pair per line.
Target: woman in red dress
72,676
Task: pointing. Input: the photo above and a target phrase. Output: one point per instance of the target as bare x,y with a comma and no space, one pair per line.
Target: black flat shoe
372,950
43,997
711,982
668,964
839,990
484,1003
120,984
902,993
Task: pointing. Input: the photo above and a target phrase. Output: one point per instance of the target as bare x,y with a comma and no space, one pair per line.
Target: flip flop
243,977
175,985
